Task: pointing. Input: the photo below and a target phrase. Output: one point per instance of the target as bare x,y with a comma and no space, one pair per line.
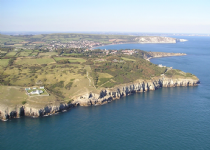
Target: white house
35,92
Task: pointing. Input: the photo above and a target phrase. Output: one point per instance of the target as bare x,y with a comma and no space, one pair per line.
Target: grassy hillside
67,72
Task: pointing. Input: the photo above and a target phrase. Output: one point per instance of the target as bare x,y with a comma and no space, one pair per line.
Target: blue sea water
168,118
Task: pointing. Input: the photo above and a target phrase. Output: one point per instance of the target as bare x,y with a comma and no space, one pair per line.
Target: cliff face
11,112
155,39
106,95
161,54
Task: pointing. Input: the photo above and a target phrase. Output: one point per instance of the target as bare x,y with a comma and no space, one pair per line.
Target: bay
168,118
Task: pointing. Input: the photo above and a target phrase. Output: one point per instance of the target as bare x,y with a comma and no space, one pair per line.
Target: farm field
4,62
12,94
48,54
71,59
32,61
1,69
34,54
11,54
24,54
128,59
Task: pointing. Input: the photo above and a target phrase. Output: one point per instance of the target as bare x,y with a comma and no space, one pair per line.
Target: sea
175,118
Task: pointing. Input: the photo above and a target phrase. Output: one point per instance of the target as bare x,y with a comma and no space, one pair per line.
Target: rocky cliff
155,39
103,97
108,95
26,110
161,54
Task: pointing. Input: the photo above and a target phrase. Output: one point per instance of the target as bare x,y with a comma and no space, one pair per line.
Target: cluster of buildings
126,52
72,44
35,91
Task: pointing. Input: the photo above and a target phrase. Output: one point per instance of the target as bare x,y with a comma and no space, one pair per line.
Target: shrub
24,102
68,86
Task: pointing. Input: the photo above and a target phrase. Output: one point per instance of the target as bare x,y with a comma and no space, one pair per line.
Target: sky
159,16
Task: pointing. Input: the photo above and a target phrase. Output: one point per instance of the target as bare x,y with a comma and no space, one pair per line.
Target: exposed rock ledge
106,95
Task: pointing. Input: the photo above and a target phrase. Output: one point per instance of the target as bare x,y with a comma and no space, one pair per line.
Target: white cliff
155,39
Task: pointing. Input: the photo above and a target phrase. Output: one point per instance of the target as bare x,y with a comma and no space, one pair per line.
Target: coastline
105,96
93,99
112,44
158,42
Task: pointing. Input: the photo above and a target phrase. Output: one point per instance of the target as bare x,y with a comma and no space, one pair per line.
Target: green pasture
12,95
28,50
34,54
1,69
128,59
24,54
32,61
11,54
4,62
71,59
48,54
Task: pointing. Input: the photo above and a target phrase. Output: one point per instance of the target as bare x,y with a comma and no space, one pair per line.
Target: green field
32,61
24,54
71,59
11,54
71,54
1,69
48,54
12,94
4,62
127,59
34,54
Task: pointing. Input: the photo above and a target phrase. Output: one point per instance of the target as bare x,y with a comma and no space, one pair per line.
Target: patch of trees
58,84
95,76
53,88
33,69
89,62
6,49
69,50
124,72
3,80
56,92
9,43
2,54
81,71
68,86
11,61
63,61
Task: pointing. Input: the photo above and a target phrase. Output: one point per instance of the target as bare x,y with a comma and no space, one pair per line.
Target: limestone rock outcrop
155,39
108,95
88,99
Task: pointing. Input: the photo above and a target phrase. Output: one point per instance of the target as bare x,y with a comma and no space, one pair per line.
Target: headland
40,81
